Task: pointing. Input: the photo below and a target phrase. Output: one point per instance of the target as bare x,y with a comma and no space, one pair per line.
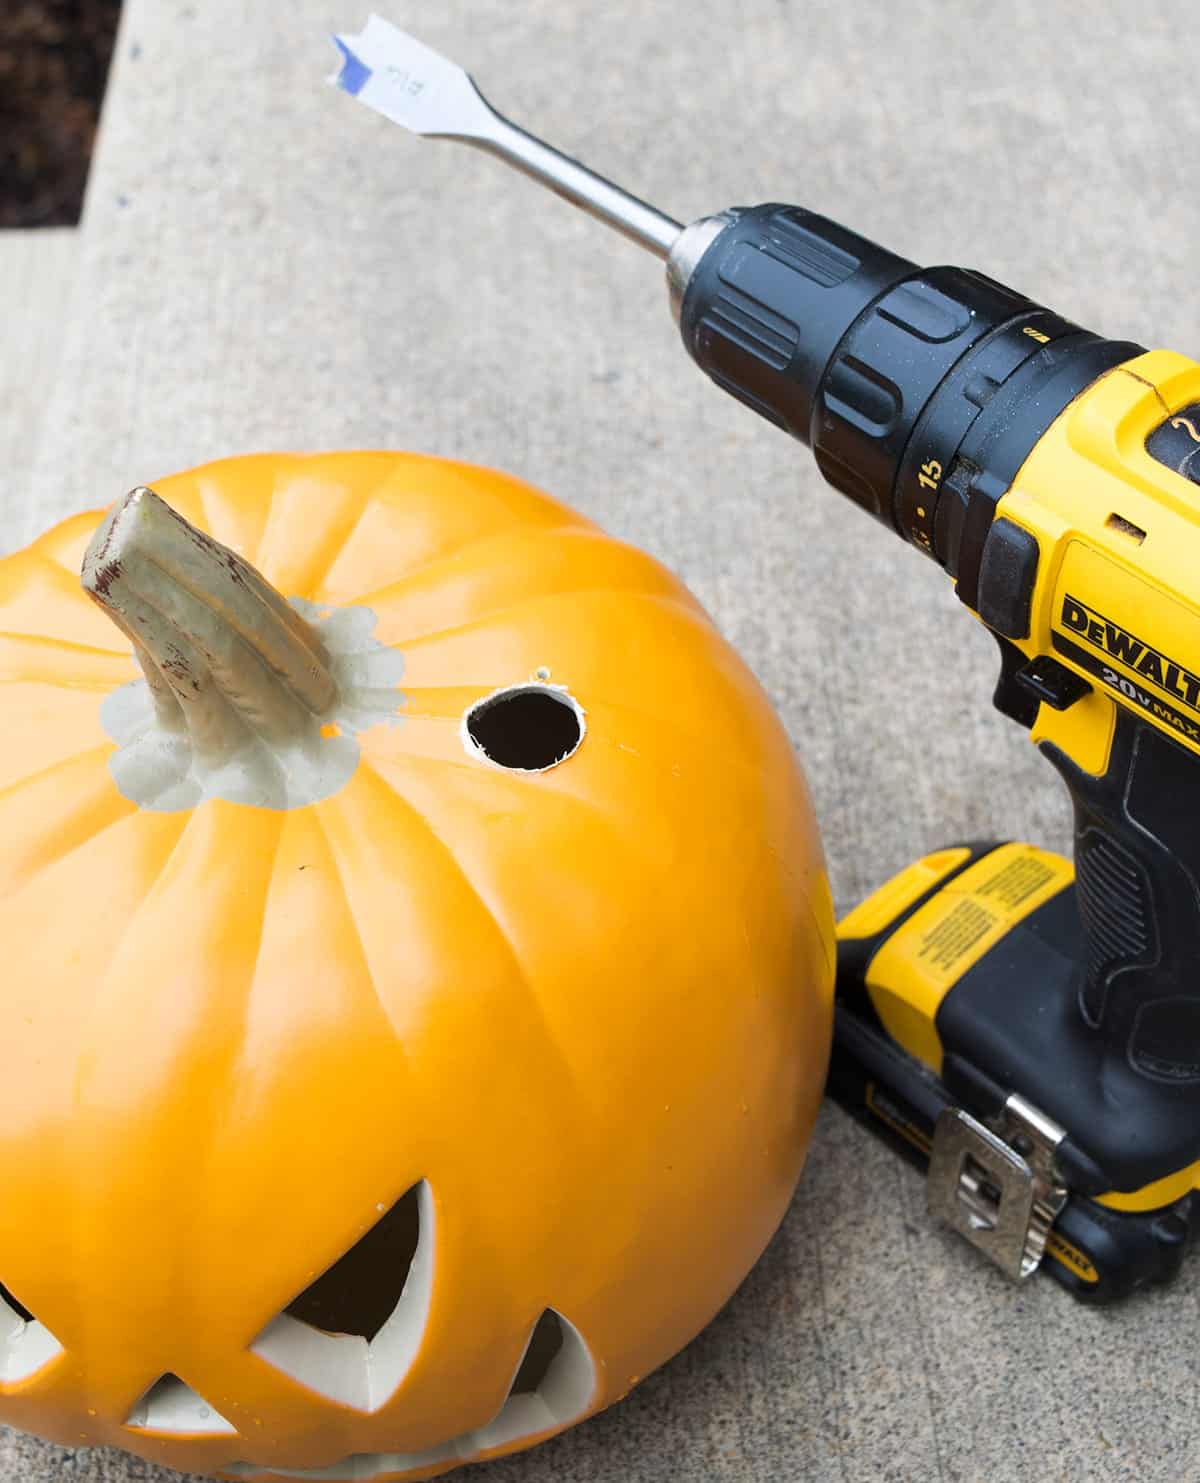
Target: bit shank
414,86
599,197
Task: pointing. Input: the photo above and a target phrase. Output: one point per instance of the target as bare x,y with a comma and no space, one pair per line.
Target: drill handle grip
1137,863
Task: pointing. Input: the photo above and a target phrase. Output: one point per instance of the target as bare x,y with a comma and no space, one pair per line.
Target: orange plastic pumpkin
384,1092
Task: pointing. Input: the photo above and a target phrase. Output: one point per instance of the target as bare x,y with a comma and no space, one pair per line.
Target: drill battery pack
957,1040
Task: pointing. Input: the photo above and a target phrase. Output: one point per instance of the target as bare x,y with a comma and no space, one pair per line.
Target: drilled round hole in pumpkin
527,728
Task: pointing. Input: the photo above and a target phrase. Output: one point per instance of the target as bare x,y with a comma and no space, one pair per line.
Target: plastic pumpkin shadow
417,984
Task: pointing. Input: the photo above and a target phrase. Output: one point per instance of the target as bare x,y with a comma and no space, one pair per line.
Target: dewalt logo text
1110,638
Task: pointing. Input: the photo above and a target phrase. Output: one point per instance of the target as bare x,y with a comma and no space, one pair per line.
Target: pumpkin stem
223,653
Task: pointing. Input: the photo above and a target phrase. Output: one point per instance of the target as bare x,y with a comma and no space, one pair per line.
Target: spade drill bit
412,85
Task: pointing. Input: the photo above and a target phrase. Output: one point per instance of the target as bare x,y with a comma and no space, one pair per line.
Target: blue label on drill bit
355,74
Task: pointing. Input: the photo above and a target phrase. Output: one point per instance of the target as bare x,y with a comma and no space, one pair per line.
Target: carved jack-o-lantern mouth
350,1338
353,1333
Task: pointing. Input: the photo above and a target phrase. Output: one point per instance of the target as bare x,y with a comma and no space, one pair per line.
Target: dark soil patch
54,57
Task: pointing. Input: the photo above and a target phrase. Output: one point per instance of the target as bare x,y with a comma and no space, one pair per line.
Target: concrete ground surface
262,264
37,276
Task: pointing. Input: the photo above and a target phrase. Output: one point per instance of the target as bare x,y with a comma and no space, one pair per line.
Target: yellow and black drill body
1027,1026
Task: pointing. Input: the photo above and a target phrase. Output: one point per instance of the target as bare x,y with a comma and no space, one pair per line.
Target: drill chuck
920,392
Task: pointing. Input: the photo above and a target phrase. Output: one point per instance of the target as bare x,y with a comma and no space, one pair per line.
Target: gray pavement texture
37,274
265,265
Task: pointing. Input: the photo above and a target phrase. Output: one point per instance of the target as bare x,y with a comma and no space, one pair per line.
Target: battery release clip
999,1186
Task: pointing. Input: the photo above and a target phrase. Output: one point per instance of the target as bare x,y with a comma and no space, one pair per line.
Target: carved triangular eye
170,1406
25,1344
353,1333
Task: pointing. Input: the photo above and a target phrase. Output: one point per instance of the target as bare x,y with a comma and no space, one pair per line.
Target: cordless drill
1025,1027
